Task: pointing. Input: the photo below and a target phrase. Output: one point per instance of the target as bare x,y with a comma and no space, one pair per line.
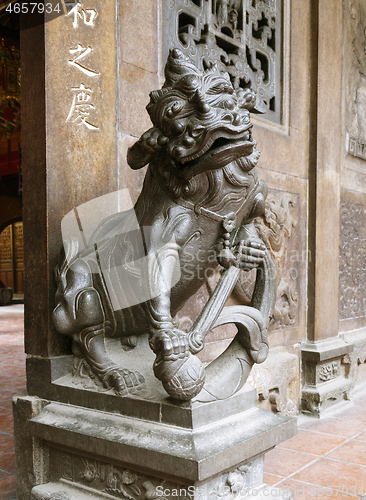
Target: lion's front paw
153,140
250,254
181,373
122,380
170,345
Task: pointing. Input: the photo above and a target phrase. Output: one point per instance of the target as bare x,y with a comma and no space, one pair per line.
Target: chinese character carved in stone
196,208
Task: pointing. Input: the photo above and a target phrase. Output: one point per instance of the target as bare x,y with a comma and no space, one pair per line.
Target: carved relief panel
352,261
355,74
126,484
276,228
243,37
328,371
110,479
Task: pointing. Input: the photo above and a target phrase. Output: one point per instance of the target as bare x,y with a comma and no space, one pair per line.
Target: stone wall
352,306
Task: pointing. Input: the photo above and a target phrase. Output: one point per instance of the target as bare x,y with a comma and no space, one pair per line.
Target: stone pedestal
149,449
324,384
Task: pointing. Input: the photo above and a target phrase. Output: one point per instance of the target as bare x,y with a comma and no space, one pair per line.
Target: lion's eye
177,128
229,104
174,109
177,106
219,88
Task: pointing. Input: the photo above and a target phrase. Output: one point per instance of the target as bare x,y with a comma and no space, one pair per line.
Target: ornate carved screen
244,37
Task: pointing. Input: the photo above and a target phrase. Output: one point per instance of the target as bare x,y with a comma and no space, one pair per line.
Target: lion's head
200,121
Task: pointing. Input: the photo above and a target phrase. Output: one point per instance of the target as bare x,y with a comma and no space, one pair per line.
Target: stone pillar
323,382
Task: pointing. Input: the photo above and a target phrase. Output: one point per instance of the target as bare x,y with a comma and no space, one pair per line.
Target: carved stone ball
188,381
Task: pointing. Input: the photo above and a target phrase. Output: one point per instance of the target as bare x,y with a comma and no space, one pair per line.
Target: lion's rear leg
81,314
91,342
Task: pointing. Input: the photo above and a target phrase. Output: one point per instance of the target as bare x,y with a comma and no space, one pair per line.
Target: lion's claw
170,345
121,380
250,254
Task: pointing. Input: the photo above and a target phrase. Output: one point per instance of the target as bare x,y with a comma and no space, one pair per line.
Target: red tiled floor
354,451
7,461
12,380
6,400
339,448
6,442
362,436
359,401
283,462
309,442
334,474
336,427
303,491
7,488
357,413
271,479
9,383
2,475
6,420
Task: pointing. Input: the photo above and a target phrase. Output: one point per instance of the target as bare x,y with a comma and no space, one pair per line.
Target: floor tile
282,462
354,413
359,401
6,403
7,461
335,426
7,488
6,420
2,475
303,491
362,436
312,442
334,473
354,451
271,479
12,383
6,442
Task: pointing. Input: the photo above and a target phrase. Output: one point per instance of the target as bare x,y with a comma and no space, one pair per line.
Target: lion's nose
178,152
188,141
236,119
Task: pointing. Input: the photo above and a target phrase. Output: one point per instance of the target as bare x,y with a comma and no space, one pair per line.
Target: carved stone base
277,383
92,454
65,491
323,382
354,362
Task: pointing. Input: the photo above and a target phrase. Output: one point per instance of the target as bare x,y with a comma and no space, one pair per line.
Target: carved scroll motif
243,37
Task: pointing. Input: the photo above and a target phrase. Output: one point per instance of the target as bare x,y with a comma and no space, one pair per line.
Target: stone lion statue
200,195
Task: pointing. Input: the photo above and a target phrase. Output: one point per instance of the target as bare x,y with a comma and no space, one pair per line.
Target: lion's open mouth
217,153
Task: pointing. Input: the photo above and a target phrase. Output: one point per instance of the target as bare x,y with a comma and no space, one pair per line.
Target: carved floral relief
352,261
